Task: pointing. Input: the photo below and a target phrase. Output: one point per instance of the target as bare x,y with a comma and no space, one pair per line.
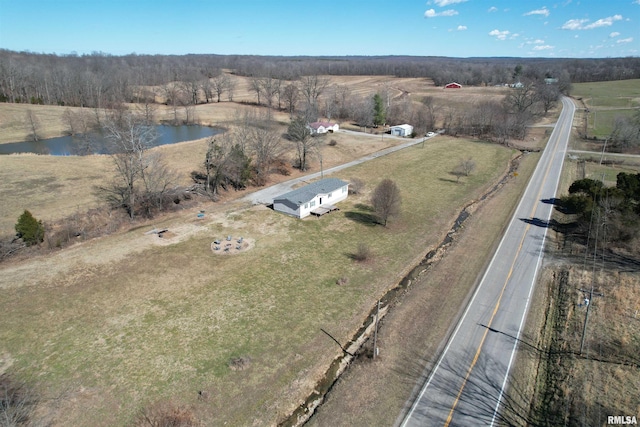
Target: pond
98,144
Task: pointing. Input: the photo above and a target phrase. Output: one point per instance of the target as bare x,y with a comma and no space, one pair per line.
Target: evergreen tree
379,115
29,229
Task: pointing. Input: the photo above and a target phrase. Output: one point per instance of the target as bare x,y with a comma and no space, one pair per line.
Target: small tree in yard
299,133
464,168
29,229
386,200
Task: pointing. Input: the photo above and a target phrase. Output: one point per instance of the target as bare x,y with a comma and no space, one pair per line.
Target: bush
356,186
333,143
363,253
18,402
29,229
166,414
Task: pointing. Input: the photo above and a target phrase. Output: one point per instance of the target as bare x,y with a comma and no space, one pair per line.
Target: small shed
316,198
453,85
401,130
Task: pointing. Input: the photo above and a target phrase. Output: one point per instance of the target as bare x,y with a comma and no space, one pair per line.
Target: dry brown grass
134,318
374,393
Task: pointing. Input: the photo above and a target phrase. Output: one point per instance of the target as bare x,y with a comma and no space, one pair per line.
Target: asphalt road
466,385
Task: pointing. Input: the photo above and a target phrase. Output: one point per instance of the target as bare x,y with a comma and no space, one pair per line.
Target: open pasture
124,321
606,101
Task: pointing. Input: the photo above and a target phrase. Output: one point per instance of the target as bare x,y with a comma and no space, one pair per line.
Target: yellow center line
495,310
484,336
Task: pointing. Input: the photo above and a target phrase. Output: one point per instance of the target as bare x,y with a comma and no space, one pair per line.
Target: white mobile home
316,198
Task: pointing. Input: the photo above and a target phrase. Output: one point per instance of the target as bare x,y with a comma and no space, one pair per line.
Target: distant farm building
401,130
453,85
316,198
318,128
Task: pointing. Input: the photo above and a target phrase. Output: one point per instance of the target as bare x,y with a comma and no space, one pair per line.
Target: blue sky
456,28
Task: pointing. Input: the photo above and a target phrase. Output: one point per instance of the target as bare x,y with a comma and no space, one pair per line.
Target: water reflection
97,144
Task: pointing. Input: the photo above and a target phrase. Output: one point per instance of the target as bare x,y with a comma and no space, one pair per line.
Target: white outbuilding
401,130
316,198
317,128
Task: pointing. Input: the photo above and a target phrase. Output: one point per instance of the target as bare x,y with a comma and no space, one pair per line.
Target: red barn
453,85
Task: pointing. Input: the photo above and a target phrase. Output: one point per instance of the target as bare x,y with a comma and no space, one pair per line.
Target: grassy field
606,101
118,323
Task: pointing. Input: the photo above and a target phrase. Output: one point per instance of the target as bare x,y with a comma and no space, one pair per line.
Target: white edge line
455,332
526,307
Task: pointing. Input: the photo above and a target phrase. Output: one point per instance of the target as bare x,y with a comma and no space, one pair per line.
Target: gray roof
308,192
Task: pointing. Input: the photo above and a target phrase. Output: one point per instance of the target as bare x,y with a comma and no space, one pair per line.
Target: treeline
100,80
614,210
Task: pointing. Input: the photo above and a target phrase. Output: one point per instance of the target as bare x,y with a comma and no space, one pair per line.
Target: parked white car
430,134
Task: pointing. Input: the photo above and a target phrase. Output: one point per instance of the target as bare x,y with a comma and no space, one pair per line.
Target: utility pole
593,275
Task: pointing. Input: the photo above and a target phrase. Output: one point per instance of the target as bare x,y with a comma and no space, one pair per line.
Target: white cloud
431,13
443,3
462,27
578,24
636,2
495,9
615,33
543,47
544,11
605,22
627,40
500,35
574,24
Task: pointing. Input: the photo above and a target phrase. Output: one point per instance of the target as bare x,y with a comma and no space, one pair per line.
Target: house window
312,203
306,205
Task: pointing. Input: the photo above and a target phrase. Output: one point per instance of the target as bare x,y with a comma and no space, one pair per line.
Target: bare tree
190,116
464,168
291,94
386,200
299,133
159,183
147,111
311,88
174,97
266,147
130,138
231,87
256,86
34,125
220,84
206,85
548,95
269,89
521,99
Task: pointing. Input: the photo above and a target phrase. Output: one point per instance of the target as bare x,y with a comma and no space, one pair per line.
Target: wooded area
100,79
